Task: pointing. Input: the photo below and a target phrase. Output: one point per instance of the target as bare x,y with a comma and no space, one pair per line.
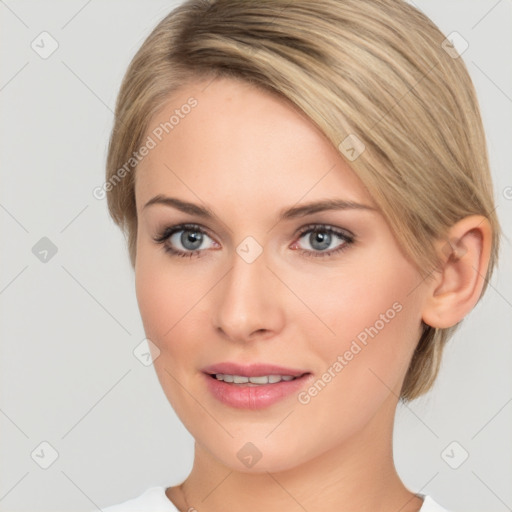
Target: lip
243,396
252,370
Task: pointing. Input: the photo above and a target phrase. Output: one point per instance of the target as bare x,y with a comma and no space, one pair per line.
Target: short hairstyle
374,74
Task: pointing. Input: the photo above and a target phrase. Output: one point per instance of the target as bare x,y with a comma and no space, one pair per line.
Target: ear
455,287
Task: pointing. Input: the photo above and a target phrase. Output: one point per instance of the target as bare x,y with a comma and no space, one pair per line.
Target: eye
185,240
322,240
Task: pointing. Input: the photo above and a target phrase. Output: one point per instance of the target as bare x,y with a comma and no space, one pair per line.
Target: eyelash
167,232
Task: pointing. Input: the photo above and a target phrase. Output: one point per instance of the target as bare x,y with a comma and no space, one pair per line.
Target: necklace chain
193,509
189,508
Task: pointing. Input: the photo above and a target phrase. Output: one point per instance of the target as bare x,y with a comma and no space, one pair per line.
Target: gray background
69,325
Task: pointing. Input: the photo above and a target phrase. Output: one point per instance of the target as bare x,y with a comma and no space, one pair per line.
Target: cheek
172,307
365,361
351,298
163,294
366,314
157,303
169,306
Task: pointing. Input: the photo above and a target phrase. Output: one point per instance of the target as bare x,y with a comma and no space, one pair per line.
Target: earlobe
456,286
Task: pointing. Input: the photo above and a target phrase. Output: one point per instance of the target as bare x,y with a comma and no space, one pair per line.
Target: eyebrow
287,213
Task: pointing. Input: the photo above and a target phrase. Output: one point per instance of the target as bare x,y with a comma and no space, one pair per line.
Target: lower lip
259,396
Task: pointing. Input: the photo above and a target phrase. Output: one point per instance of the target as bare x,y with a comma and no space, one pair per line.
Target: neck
358,474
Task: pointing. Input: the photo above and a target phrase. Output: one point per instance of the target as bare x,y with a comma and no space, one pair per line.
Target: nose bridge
247,301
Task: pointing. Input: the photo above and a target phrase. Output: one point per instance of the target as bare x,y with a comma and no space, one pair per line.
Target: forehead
227,135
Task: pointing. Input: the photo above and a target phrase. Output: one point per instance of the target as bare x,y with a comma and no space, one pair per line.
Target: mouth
242,371
262,380
254,387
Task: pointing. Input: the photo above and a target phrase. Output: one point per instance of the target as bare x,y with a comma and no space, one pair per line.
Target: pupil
191,239
320,240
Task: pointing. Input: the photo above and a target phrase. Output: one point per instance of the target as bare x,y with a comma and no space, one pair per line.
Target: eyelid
328,227
168,231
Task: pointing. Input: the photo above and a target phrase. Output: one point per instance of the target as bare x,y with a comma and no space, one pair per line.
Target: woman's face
323,291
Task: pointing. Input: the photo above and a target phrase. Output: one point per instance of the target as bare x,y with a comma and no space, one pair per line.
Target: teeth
265,379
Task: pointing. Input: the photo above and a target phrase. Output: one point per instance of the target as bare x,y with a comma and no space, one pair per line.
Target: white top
154,499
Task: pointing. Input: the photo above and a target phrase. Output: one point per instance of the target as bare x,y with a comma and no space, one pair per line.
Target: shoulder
153,499
429,505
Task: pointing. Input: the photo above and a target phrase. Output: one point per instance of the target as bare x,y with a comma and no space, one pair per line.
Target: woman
306,195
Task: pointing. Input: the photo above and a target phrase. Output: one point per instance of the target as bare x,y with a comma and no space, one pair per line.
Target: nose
247,303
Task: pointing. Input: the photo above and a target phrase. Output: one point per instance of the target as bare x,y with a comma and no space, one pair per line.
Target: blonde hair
375,71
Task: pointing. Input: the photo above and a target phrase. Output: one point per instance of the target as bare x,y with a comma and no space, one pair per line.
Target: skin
246,154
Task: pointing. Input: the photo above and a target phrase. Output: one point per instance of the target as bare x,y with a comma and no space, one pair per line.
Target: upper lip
252,370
